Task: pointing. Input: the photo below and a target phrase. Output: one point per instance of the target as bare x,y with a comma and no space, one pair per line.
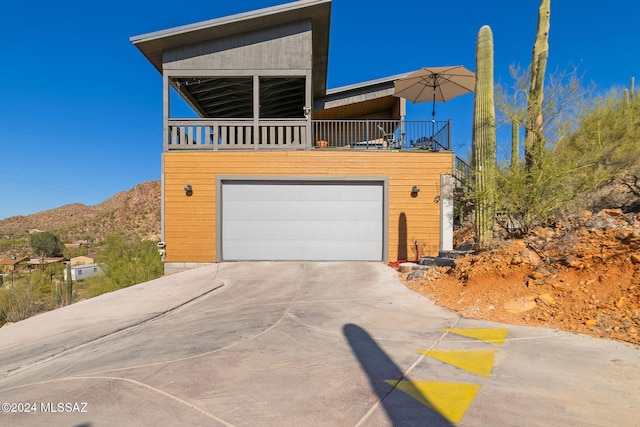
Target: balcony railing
376,134
207,134
247,134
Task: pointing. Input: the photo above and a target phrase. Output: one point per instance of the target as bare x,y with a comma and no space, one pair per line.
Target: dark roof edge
253,14
366,84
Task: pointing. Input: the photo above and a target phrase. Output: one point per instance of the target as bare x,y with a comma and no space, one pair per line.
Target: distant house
82,260
10,265
45,261
81,272
12,262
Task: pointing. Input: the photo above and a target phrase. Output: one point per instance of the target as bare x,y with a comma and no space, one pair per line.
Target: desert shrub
125,263
606,141
591,141
532,197
129,263
29,294
94,286
6,244
18,301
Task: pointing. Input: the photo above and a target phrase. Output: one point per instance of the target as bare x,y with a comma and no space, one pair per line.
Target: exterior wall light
415,189
188,190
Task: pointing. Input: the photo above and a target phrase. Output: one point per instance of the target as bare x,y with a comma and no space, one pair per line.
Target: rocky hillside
581,276
135,213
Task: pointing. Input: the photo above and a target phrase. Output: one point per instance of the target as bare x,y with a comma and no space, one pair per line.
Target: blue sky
81,108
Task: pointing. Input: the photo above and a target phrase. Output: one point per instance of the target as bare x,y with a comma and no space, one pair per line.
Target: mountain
134,213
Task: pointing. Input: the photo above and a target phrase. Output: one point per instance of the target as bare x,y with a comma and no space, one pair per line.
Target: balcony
301,134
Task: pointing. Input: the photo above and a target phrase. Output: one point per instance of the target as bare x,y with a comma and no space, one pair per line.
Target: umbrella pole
433,113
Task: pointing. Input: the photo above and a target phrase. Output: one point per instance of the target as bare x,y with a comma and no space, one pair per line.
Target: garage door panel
311,192
302,221
307,230
300,210
304,250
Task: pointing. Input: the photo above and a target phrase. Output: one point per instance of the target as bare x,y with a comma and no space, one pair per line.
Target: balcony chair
390,139
425,143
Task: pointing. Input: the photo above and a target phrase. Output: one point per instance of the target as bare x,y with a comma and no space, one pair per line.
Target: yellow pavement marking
478,361
451,400
493,335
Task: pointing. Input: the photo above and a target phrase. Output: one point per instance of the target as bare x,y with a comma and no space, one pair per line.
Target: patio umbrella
435,84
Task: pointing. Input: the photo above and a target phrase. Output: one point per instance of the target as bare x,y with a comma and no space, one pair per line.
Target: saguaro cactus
534,138
484,138
69,284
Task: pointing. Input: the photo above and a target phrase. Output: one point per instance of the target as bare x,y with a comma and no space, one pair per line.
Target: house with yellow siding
272,165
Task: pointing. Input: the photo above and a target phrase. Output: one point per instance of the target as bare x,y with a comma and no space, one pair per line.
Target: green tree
46,244
129,263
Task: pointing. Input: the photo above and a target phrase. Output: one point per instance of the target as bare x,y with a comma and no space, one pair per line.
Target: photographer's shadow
401,409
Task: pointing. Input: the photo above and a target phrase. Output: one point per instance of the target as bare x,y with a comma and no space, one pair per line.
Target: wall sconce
415,189
188,190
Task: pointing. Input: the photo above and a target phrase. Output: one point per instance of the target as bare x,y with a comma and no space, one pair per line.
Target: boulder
434,261
572,261
519,305
547,299
407,267
526,256
416,274
612,212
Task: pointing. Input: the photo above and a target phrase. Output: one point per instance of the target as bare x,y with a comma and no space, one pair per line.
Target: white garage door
302,221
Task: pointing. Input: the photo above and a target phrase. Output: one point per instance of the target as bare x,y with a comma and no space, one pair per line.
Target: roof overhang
363,99
13,261
152,45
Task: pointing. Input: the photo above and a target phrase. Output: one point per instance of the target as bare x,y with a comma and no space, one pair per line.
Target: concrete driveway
302,344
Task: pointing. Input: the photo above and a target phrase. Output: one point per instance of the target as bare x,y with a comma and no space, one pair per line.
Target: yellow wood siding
413,223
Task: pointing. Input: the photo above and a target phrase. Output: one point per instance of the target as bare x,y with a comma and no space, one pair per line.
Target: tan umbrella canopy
435,84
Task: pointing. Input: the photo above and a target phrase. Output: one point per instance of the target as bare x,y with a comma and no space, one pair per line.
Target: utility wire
43,185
